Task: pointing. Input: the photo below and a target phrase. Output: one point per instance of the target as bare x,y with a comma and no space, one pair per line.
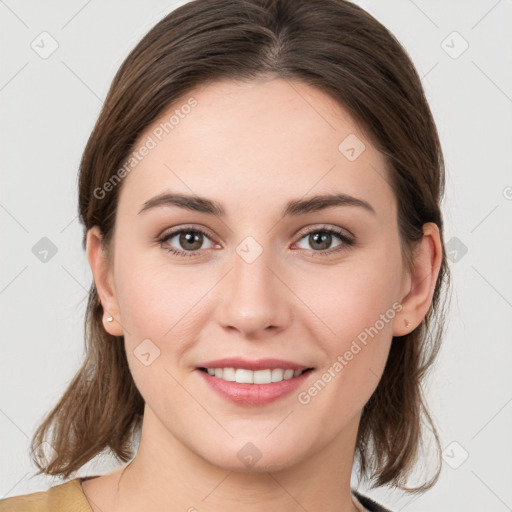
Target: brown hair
339,48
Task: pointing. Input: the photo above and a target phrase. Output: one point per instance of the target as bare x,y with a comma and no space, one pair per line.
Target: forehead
246,142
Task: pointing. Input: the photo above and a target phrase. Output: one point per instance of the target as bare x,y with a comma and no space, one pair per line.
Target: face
317,287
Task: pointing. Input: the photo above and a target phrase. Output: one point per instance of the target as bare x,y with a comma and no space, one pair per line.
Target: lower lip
254,394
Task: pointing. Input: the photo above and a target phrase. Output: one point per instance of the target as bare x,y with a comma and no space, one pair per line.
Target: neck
167,475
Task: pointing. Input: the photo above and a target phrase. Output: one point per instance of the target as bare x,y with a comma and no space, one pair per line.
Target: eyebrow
293,208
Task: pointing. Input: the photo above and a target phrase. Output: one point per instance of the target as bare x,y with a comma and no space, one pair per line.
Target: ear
419,285
104,281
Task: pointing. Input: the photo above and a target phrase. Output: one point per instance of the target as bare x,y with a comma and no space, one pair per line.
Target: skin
252,147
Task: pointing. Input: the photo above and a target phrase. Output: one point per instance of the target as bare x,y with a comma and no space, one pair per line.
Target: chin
254,456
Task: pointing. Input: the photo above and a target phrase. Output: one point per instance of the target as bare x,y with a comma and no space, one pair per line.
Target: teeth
243,376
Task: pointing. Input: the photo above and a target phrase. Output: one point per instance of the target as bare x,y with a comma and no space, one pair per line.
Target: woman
261,207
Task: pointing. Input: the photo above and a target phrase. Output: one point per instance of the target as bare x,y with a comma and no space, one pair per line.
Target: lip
260,364
253,394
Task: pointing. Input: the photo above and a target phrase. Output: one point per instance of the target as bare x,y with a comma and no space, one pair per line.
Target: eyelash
347,242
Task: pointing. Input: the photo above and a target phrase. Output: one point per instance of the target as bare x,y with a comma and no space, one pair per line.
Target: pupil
188,238
324,239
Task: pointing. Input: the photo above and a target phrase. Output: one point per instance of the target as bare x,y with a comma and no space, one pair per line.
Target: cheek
159,310
355,349
357,307
353,295
153,295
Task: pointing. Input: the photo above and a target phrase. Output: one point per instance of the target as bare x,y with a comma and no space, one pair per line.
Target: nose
255,301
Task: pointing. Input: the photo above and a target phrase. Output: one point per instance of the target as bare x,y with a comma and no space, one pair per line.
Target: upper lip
260,364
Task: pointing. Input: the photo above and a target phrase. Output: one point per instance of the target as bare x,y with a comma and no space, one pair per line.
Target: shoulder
64,497
368,503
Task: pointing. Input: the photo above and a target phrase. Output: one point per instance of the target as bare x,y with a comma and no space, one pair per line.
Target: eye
321,239
190,239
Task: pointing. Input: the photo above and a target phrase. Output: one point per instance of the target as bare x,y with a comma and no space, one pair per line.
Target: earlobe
104,283
420,284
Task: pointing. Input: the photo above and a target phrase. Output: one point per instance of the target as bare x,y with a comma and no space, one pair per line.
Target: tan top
67,497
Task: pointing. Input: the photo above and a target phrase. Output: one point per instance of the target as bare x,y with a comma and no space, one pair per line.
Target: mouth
254,388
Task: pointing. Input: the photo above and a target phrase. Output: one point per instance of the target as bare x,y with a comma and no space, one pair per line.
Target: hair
340,49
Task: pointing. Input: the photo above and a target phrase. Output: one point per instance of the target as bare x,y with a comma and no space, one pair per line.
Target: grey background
49,106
